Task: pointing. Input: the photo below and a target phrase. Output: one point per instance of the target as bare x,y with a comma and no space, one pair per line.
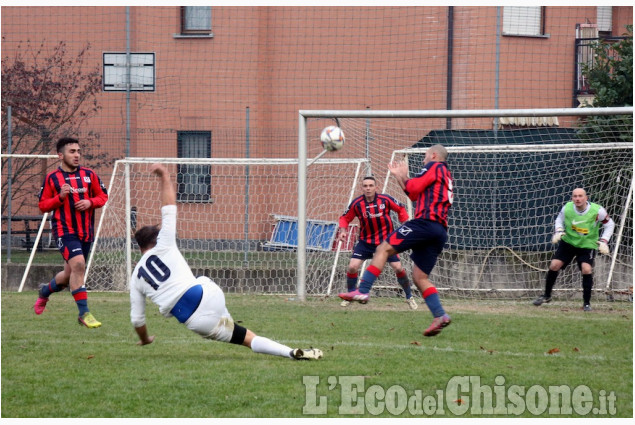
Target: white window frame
196,20
605,19
524,21
142,71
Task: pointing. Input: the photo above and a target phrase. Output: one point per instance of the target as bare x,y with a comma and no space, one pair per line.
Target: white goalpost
510,184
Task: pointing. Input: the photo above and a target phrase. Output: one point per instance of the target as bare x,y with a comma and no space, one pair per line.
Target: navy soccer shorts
424,237
70,246
365,251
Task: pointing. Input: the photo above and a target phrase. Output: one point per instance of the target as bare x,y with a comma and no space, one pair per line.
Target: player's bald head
578,191
440,151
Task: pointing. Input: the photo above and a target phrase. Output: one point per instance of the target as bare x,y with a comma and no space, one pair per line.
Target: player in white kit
163,275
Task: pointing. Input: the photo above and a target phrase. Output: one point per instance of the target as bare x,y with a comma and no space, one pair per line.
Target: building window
605,20
196,20
140,68
524,21
194,181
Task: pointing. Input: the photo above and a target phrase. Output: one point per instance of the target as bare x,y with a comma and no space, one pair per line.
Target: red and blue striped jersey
375,223
65,219
433,192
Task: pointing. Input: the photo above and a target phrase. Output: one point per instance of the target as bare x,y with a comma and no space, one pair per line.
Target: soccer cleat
412,303
88,320
437,324
345,303
307,354
40,305
586,307
354,296
542,299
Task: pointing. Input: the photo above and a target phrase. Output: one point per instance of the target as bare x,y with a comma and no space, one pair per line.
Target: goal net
237,219
511,180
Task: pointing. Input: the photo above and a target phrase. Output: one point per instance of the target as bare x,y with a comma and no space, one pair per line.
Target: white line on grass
444,349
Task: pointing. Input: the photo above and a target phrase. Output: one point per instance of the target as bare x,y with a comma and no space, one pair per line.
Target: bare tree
52,94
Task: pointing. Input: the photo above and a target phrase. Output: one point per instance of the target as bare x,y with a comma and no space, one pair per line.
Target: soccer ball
332,138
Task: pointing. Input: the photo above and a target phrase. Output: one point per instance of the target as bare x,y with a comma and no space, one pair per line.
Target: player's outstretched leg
431,297
262,345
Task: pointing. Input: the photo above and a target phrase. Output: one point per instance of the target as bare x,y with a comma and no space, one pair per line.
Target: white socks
266,346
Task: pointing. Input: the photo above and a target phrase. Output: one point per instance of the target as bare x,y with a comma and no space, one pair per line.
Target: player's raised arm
168,194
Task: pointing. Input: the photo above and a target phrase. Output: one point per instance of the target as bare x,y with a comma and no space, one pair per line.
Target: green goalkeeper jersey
581,230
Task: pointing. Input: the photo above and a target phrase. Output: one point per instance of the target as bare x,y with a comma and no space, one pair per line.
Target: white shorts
211,319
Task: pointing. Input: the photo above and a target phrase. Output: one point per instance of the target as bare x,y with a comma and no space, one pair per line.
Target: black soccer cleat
542,299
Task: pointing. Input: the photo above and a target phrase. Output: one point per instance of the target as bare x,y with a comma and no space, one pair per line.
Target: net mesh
244,236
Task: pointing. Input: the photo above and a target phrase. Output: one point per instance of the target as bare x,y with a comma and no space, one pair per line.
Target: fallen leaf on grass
90,357
553,351
576,349
415,343
485,349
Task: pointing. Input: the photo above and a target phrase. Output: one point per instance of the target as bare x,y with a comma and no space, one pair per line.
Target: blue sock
431,297
351,281
52,287
368,278
81,299
405,284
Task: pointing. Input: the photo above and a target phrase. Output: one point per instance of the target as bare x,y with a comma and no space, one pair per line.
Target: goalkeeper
163,275
578,235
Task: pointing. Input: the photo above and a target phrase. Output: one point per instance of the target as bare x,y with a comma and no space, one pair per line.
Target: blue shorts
70,246
424,237
365,251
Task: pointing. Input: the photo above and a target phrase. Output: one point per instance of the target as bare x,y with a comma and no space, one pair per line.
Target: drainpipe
448,121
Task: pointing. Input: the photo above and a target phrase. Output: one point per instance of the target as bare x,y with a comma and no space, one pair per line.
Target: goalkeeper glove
603,247
557,236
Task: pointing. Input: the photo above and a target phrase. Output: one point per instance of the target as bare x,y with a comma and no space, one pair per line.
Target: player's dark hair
65,141
146,237
370,178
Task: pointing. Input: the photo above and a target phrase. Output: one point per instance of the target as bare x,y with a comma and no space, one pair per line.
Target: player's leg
402,279
431,297
561,258
212,320
372,272
585,258
362,251
77,264
57,284
432,237
352,273
260,344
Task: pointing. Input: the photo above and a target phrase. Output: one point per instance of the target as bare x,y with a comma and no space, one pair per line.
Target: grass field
51,367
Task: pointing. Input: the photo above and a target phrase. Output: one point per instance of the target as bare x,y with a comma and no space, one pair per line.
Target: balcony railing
585,55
